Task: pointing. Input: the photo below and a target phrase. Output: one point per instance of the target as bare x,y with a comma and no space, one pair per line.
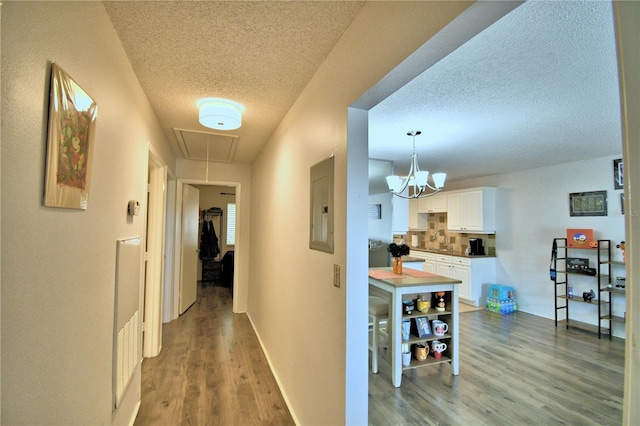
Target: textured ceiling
261,54
538,87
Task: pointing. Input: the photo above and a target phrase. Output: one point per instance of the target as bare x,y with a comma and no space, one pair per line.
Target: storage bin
501,292
506,306
502,299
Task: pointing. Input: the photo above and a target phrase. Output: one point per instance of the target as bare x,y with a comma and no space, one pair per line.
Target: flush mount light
220,114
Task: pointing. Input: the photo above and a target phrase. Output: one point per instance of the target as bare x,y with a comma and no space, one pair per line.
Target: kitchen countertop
447,253
409,278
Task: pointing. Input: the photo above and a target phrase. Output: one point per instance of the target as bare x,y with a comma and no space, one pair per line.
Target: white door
189,247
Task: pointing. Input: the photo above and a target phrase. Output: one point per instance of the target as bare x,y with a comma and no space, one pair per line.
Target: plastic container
501,292
502,299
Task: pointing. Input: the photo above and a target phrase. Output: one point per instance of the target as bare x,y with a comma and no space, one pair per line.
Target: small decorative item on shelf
397,251
621,247
422,305
408,306
588,296
620,282
440,305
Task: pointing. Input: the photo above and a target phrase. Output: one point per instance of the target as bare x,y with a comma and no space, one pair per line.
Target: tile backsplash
437,237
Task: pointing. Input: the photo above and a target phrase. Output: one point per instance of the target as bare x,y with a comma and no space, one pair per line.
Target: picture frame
422,327
70,139
618,174
375,211
592,203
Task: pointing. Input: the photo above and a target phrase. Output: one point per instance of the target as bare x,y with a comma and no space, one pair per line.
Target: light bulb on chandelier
416,179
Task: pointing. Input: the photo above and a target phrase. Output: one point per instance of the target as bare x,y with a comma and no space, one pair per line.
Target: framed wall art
588,203
70,134
618,174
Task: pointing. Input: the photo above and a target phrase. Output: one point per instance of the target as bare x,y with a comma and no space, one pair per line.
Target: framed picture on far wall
618,174
588,203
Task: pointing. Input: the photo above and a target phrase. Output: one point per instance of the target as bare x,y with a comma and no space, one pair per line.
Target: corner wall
299,316
532,210
58,265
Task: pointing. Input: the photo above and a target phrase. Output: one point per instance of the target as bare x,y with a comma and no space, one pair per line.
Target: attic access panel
194,144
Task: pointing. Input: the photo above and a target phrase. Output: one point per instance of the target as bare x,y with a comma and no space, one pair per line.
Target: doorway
232,194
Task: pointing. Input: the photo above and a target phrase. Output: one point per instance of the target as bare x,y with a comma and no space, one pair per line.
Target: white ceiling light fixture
220,114
417,179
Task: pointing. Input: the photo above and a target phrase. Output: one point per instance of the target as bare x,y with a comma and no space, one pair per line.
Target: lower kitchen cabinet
474,272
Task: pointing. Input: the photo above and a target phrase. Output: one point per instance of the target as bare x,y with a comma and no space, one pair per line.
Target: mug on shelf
437,348
421,352
439,327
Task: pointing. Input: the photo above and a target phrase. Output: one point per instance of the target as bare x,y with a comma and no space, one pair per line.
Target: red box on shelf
581,238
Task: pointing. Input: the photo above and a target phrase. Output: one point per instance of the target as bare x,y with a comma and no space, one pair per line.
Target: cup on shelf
421,352
406,358
439,327
406,329
437,347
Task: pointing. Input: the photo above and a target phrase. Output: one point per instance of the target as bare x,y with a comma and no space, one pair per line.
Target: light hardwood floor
515,369
211,371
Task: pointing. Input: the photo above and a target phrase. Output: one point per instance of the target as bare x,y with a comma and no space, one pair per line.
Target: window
231,224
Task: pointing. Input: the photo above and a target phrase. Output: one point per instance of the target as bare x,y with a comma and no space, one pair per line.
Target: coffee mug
421,352
439,327
437,348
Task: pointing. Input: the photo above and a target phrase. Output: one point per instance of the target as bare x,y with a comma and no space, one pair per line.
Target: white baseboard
275,374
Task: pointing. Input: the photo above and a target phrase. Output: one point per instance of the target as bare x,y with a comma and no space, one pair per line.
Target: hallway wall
58,265
300,317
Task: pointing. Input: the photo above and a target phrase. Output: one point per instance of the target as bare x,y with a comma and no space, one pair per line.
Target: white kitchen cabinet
400,217
417,221
458,268
472,210
474,272
429,264
433,204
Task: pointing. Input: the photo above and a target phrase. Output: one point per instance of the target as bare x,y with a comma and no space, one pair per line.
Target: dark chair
227,269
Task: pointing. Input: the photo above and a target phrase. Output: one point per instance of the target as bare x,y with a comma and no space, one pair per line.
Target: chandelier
417,179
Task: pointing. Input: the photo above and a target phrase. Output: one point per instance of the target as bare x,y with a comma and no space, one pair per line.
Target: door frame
154,256
177,269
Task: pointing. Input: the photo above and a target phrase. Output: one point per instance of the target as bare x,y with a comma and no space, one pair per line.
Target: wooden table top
410,277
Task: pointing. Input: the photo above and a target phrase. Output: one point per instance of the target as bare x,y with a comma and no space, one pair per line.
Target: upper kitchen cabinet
417,221
472,210
433,204
400,207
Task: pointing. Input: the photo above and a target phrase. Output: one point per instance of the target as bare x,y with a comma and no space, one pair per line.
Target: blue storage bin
501,292
502,299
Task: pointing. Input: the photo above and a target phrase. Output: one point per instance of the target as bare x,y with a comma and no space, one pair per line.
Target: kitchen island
413,282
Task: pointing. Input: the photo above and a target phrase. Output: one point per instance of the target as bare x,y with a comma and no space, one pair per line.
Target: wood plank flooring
515,369
211,370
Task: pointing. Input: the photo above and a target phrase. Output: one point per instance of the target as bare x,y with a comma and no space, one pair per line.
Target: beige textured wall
58,265
299,315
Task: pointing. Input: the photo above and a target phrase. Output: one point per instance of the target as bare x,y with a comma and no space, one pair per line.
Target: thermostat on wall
134,208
